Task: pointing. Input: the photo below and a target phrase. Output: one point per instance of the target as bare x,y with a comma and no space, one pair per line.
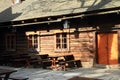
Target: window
33,42
62,42
10,42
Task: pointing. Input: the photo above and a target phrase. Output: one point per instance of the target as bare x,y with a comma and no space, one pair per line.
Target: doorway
107,48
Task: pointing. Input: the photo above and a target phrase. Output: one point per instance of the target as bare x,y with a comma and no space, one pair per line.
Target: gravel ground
46,74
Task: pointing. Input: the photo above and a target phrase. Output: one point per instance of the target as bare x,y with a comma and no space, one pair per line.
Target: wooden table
6,72
54,59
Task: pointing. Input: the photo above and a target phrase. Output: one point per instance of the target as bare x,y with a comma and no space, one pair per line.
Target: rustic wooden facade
93,38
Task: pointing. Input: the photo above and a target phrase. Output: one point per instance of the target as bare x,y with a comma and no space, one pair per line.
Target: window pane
64,35
58,46
64,40
64,46
58,35
35,41
58,41
35,46
30,41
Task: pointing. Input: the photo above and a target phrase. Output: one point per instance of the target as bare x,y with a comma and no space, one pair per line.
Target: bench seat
71,62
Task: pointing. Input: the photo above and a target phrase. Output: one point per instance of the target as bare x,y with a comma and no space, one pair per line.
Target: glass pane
30,41
64,35
58,41
35,41
64,46
57,35
35,46
65,40
58,46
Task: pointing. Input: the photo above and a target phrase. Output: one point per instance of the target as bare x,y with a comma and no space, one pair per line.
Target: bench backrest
69,57
44,56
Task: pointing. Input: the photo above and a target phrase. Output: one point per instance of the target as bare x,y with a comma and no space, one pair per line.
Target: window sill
57,51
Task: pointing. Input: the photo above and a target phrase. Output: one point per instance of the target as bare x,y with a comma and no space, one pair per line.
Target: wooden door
107,48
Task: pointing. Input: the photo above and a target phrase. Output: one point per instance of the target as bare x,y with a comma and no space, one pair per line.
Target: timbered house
88,29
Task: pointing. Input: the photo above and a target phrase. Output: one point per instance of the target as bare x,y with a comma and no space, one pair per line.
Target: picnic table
45,61
63,61
54,59
6,72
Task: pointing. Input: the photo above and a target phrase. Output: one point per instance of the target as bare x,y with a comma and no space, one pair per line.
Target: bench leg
63,67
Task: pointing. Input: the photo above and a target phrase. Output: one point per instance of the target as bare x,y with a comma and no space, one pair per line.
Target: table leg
27,62
53,63
54,66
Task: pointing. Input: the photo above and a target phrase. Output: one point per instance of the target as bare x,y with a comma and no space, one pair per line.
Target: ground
46,74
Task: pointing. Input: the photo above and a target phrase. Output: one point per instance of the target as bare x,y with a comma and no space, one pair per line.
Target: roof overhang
59,18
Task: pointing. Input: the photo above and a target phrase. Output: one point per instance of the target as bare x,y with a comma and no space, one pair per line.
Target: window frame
33,42
11,42
62,49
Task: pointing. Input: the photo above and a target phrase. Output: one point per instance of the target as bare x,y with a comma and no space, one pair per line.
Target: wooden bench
21,59
35,62
45,61
71,62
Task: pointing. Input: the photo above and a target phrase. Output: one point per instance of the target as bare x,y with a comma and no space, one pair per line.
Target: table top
6,71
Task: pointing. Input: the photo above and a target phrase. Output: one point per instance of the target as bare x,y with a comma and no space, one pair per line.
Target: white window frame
33,43
62,48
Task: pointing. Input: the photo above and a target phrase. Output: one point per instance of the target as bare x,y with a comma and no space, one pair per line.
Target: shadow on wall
7,15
